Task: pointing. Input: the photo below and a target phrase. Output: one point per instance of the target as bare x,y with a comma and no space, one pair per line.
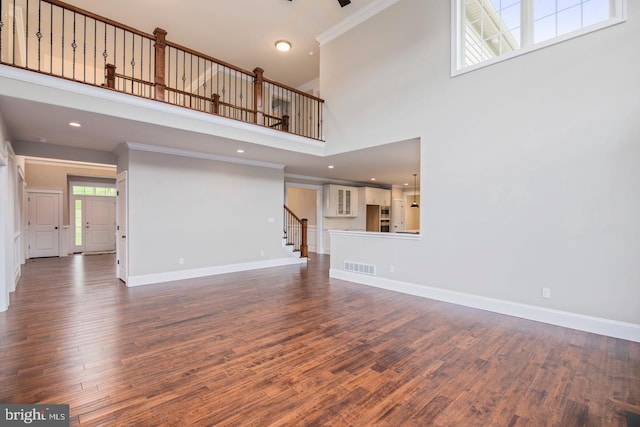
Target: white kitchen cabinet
340,201
377,196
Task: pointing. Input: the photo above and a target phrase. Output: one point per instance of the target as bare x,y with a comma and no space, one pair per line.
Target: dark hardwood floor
288,346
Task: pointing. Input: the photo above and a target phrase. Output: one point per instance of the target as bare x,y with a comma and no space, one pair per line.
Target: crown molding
354,20
200,155
65,163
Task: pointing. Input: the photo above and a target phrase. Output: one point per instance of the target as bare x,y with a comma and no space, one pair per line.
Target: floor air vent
357,267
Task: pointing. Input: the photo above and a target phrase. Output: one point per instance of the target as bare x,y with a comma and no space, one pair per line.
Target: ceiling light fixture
75,124
414,204
330,166
240,151
283,45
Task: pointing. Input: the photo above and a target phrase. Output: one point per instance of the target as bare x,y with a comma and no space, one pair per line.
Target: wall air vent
358,267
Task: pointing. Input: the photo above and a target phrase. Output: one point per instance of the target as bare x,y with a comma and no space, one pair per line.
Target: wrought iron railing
295,231
55,38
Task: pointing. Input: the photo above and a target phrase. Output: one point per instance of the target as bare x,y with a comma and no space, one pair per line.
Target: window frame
619,15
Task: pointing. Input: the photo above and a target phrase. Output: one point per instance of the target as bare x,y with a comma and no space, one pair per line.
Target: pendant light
414,204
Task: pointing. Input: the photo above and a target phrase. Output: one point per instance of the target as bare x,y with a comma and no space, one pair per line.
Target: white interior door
44,224
100,224
121,227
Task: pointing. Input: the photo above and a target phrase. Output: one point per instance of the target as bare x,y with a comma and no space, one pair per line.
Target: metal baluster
39,33
133,61
51,39
74,46
26,56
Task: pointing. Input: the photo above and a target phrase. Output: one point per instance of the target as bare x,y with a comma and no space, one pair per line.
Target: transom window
488,31
93,190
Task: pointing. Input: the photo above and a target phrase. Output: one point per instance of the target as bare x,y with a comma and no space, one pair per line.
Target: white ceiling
240,32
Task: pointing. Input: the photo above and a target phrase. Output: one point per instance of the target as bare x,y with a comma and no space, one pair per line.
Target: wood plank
290,346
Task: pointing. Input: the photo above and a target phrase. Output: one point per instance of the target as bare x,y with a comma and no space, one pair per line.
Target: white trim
200,155
56,162
352,21
149,279
150,104
377,235
4,156
60,194
596,325
456,38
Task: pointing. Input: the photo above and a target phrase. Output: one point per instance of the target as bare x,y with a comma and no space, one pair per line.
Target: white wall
208,213
5,242
530,168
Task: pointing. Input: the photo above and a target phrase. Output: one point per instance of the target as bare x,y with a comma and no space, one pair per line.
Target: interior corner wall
188,213
530,168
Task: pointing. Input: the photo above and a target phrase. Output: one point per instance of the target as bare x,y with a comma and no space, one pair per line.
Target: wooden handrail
289,88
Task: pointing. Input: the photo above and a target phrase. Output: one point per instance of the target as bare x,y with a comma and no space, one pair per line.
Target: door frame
122,250
73,248
28,233
319,210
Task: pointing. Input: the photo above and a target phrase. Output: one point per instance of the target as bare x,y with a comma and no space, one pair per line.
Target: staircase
295,235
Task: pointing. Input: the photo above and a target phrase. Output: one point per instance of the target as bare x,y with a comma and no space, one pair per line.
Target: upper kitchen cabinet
340,200
377,196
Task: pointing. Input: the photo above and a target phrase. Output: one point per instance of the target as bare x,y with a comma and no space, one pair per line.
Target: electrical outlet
546,292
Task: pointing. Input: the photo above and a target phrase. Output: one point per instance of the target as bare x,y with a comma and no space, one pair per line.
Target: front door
100,224
44,224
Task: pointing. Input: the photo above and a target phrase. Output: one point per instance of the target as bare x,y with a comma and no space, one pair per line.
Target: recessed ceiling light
373,179
75,124
406,183
240,150
42,139
330,166
283,45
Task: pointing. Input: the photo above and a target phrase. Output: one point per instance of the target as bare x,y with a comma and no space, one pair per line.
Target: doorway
305,201
93,213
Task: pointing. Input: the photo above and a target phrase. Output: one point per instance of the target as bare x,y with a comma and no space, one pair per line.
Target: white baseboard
149,279
596,325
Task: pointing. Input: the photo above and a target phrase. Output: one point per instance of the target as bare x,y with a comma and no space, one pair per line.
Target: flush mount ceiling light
75,124
283,45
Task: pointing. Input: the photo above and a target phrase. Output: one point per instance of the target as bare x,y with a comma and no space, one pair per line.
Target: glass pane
569,20
545,29
89,191
595,11
111,192
543,8
78,222
79,191
101,191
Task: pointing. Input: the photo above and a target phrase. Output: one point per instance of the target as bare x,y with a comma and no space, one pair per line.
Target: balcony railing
58,39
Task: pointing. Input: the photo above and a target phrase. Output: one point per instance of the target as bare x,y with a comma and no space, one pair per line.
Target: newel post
160,46
285,123
257,97
215,103
111,76
304,249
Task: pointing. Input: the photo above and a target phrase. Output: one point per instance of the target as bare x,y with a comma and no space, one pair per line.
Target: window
489,31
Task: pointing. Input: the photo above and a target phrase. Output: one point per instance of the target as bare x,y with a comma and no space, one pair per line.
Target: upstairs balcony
61,40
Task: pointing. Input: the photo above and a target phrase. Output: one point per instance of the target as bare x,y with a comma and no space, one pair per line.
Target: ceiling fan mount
343,3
